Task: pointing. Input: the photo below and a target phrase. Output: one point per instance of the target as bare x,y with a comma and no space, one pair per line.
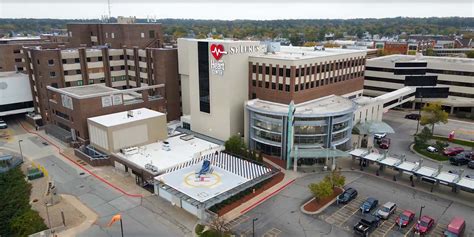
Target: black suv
459,159
471,164
413,116
347,196
366,225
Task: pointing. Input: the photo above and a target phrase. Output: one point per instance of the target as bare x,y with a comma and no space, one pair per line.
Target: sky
241,9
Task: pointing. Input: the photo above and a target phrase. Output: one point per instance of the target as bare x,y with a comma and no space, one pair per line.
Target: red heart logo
217,50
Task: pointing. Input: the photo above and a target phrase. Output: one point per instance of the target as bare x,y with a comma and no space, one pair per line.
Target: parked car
380,135
385,143
405,218
386,210
467,154
413,116
471,164
452,151
366,225
424,225
455,227
369,204
347,196
459,159
432,149
3,124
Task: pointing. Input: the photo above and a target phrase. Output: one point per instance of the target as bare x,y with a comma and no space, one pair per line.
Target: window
37,61
76,60
122,67
254,96
151,34
55,85
121,57
142,35
50,62
111,58
106,35
79,83
113,35
78,71
52,74
91,81
254,82
16,51
280,87
18,60
203,69
66,73
99,59
64,61
88,59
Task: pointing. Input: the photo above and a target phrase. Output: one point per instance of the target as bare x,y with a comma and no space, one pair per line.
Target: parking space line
345,212
438,229
273,232
410,230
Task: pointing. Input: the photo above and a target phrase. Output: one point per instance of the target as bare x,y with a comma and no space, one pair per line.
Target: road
148,216
403,137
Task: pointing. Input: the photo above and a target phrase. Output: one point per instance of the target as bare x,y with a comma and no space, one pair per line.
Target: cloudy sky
237,9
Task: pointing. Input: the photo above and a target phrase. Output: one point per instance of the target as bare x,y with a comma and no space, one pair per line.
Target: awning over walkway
466,182
390,161
321,153
372,127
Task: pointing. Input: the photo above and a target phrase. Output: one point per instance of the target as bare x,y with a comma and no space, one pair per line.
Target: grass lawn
455,141
435,156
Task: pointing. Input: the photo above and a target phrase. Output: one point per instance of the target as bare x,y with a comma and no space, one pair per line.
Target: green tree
433,114
423,137
27,223
429,52
335,178
321,190
235,145
470,54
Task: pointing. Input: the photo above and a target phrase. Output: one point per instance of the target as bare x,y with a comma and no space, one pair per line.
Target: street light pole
21,153
253,226
47,215
421,211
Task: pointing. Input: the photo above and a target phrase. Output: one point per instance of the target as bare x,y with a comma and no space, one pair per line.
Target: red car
424,225
385,143
405,218
452,151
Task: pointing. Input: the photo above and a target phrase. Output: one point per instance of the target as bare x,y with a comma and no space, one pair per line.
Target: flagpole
121,226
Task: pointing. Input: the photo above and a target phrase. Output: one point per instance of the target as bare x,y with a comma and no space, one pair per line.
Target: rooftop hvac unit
129,150
166,146
151,168
129,114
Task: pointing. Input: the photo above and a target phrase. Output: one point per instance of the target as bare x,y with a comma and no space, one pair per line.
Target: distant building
15,95
455,73
115,35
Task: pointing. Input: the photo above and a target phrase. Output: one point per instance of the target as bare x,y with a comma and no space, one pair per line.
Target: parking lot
346,216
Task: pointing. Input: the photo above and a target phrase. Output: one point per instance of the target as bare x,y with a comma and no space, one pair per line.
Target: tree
433,114
429,52
235,145
335,178
470,54
423,137
321,190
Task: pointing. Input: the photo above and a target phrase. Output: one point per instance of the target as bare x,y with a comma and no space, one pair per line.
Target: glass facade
203,65
268,132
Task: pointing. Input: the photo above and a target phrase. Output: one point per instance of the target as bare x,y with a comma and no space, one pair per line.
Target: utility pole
21,152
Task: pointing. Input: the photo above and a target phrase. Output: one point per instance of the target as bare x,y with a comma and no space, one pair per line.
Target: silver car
386,210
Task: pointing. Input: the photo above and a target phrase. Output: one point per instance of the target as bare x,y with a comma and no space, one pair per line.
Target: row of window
310,70
308,85
437,71
443,82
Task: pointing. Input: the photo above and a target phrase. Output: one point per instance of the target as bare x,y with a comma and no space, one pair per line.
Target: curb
320,209
423,156
80,166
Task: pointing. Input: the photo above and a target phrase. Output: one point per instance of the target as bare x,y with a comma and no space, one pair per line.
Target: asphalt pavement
403,138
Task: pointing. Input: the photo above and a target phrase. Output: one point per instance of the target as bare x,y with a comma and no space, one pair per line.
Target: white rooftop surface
14,88
373,156
298,53
87,89
110,120
324,106
181,151
426,171
358,152
410,58
446,177
390,161
406,165
185,181
466,182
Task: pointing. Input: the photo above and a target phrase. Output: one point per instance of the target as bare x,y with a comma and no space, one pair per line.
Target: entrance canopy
372,127
320,153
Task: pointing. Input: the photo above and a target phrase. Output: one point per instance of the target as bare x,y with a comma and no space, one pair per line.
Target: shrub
199,229
321,190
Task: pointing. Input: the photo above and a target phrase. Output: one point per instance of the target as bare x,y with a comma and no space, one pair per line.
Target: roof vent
130,114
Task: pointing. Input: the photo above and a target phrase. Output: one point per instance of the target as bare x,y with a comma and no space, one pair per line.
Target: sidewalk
91,217
289,178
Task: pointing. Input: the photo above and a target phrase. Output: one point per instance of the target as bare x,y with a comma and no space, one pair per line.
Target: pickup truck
366,225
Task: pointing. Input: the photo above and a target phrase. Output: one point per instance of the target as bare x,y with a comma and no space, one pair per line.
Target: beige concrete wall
227,92
135,133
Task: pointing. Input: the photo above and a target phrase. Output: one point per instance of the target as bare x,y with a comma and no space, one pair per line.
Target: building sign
110,100
117,99
66,102
217,51
106,101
